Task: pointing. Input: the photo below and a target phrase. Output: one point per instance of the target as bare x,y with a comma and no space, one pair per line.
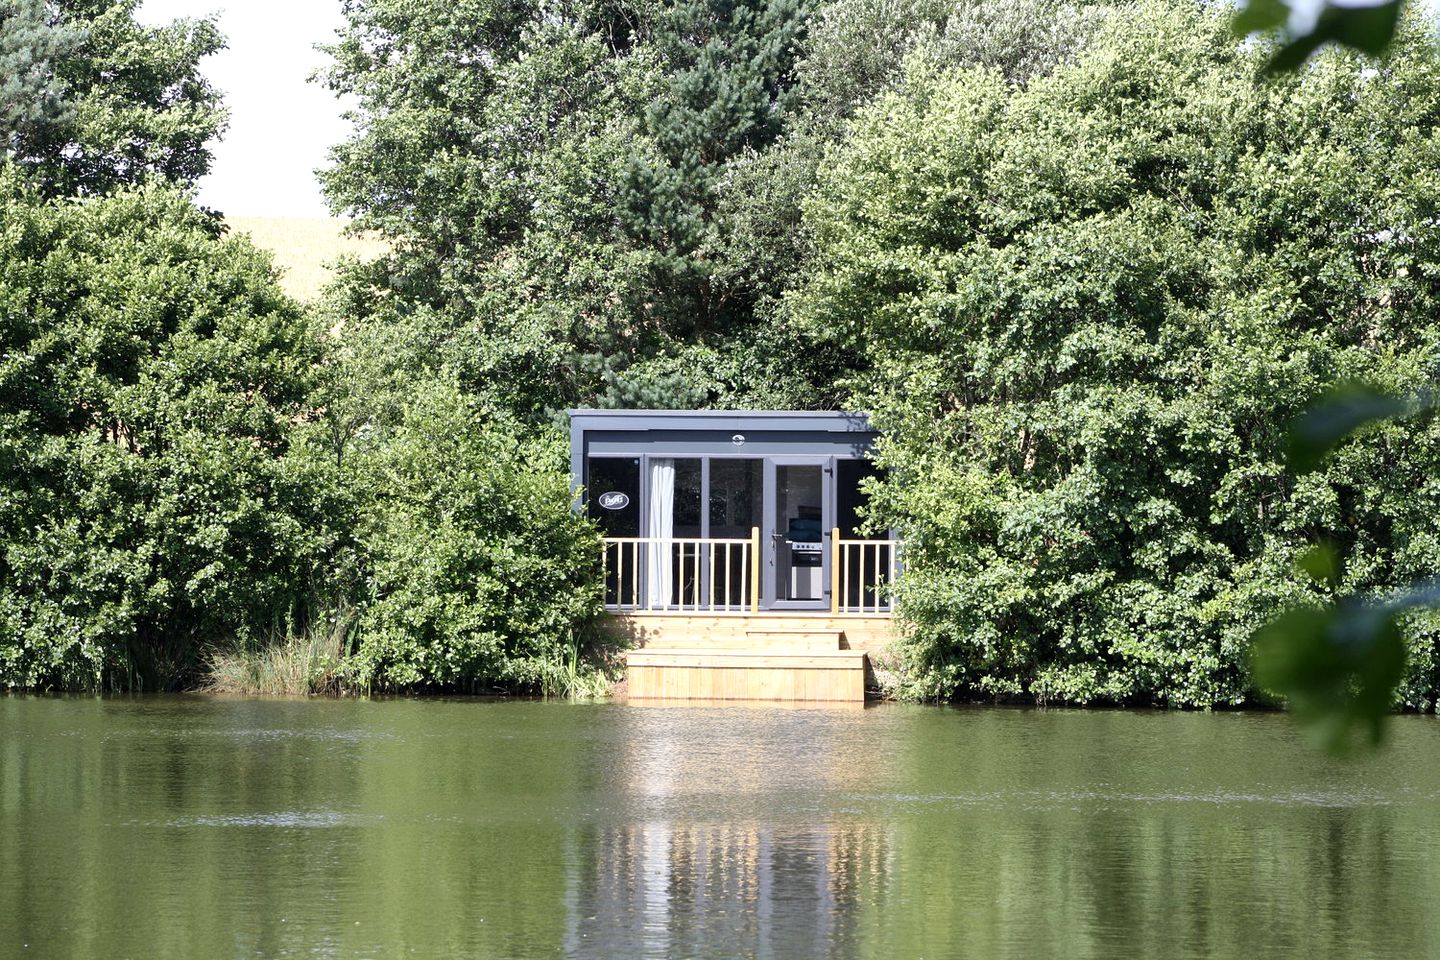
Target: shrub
150,502
1091,305
478,571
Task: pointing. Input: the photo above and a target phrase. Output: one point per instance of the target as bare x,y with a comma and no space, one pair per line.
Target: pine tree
31,96
92,100
728,94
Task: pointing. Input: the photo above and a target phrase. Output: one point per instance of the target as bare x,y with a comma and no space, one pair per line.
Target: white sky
280,125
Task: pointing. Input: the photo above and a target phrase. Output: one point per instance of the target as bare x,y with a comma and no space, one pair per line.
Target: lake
197,827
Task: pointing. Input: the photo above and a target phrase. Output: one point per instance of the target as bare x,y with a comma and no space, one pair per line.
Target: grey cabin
732,512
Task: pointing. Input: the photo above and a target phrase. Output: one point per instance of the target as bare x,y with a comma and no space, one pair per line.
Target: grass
312,662
305,247
293,665
566,675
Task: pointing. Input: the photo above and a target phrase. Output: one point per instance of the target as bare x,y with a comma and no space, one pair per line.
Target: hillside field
305,248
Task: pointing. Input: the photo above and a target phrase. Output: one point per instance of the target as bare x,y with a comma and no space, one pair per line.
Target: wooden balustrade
705,574
862,574
719,574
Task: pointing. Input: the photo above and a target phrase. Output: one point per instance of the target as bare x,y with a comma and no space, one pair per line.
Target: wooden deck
774,656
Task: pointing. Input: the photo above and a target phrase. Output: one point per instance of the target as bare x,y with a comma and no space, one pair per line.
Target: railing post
861,578
835,570
754,569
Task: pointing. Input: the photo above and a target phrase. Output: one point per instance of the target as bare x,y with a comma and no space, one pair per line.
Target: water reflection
657,890
192,827
743,849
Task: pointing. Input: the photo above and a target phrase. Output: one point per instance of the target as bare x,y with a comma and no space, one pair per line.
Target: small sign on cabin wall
614,500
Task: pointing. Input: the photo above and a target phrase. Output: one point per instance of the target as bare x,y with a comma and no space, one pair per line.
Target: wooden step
717,674
748,659
691,630
794,638
779,640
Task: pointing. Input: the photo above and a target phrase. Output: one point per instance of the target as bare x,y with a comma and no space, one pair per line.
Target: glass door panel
673,515
736,506
685,557
613,502
867,560
799,535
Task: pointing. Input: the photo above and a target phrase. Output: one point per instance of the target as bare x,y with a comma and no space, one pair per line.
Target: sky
280,125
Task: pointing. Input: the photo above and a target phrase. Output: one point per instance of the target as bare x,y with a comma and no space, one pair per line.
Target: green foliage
1321,428
1337,666
1080,261
135,104
500,195
1091,306
857,49
1340,664
1369,27
727,93
149,497
31,96
599,204
476,569
1345,663
191,469
470,569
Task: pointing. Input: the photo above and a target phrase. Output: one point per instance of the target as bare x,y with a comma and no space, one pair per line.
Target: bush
151,374
478,572
1092,304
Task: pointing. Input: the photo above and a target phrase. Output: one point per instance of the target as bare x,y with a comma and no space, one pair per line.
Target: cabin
734,557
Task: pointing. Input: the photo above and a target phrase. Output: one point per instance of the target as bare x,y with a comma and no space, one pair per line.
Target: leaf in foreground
1369,28
1338,666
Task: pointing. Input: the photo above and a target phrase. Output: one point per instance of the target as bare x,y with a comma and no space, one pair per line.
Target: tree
727,94
465,565
599,203
490,146
31,96
1092,305
857,49
119,102
477,569
151,377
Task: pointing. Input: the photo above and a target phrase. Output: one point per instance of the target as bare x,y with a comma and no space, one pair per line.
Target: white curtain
661,523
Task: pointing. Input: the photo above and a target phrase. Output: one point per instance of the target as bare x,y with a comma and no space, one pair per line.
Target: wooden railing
705,574
719,574
862,574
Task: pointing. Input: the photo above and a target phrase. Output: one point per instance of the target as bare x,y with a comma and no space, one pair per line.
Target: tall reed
566,674
295,663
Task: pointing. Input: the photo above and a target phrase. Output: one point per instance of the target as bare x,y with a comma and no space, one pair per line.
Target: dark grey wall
714,433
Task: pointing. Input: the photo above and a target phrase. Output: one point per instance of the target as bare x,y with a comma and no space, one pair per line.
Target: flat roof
823,420
590,411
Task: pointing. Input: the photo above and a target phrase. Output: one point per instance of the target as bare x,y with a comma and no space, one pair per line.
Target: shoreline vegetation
1081,263
314,663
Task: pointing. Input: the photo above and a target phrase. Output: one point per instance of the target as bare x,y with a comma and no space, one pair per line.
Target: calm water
195,828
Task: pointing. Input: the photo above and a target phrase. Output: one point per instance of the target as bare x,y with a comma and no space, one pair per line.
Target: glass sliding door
686,557
736,505
672,517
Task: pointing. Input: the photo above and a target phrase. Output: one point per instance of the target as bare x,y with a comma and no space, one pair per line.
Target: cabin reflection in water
685,875
764,890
